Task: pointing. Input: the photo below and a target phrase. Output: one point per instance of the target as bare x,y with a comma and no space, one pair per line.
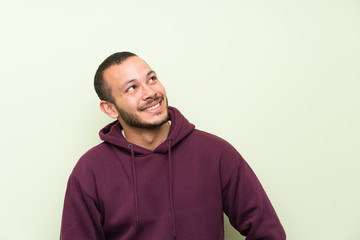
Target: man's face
139,97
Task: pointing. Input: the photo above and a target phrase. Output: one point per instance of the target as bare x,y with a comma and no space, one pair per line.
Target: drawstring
130,146
171,191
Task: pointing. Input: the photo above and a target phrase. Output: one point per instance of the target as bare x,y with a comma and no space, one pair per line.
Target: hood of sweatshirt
179,129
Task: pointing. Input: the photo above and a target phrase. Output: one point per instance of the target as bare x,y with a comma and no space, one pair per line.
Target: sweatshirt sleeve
248,207
81,219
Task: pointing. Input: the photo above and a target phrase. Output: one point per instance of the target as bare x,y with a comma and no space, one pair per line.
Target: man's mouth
151,108
153,104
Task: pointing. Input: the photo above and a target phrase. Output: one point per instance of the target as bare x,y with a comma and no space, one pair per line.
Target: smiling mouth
151,108
149,105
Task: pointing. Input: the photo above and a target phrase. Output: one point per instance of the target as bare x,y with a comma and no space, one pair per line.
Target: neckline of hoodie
123,132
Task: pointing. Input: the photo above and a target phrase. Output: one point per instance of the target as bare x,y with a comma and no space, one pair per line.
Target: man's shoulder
95,156
203,135
97,151
215,148
210,140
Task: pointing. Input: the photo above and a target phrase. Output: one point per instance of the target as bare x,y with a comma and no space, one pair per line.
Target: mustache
150,101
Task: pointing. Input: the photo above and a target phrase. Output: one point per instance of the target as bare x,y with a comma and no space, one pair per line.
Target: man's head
130,91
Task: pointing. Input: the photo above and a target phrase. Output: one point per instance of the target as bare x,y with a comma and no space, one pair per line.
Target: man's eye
152,79
130,89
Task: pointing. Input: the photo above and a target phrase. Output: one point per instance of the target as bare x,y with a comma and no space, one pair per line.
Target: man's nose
148,92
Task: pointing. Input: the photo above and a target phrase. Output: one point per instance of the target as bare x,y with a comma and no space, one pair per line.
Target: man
155,176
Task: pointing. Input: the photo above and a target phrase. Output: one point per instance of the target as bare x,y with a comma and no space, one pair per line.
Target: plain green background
277,79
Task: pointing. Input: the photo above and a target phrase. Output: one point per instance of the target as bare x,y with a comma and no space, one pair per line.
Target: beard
134,120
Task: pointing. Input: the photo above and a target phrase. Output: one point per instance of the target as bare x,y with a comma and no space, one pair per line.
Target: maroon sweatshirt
121,191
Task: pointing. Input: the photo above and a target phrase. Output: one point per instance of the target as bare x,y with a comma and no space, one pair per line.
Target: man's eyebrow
151,72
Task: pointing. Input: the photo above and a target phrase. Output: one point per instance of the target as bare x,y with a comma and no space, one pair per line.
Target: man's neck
147,138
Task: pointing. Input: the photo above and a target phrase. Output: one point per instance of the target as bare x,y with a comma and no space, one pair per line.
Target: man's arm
81,219
248,207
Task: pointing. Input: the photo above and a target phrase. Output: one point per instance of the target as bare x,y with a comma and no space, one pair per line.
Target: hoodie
180,190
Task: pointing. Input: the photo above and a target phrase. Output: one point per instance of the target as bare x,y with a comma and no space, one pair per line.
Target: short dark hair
102,89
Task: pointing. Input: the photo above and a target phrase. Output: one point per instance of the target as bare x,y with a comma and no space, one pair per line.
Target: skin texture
140,102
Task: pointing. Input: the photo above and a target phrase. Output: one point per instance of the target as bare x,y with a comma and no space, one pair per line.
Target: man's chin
156,124
150,126
144,120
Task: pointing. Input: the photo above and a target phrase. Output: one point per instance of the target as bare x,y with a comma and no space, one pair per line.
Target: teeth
153,107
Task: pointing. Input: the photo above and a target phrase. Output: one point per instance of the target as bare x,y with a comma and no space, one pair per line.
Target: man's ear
109,109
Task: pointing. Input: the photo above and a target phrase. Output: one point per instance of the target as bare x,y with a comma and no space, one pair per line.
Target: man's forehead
131,68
